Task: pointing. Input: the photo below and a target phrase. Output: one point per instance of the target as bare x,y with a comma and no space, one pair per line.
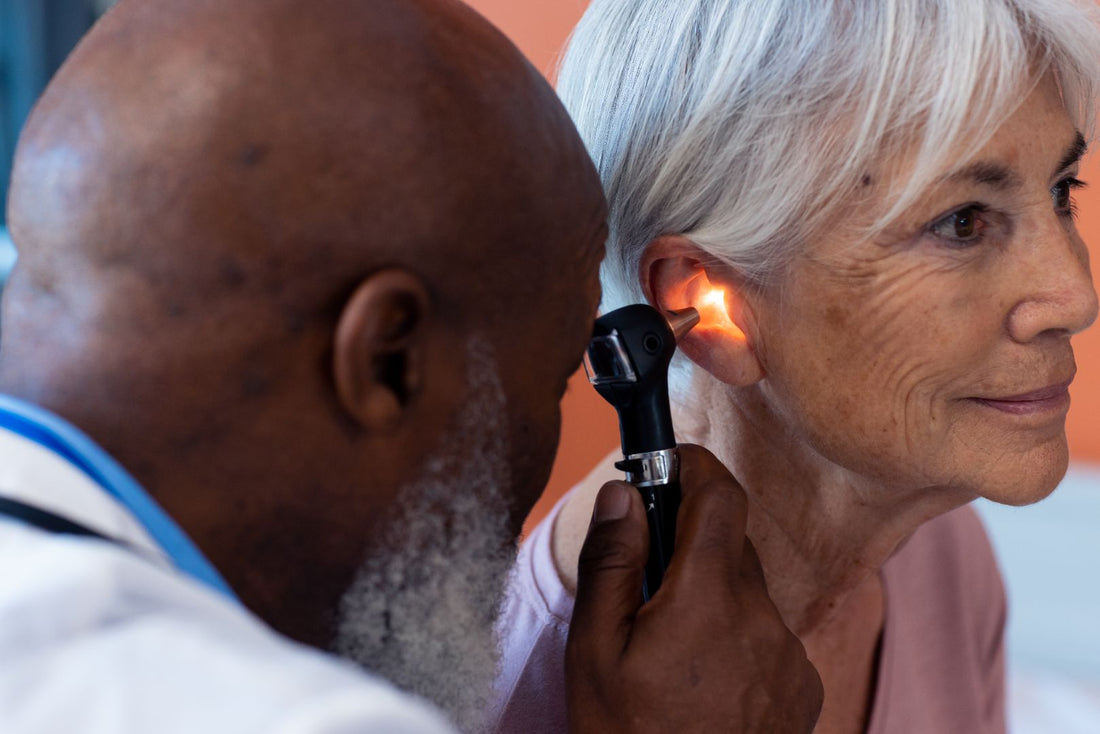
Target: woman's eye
1062,195
961,227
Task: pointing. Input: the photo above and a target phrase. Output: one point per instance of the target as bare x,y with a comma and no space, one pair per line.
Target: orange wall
538,27
589,430
1082,426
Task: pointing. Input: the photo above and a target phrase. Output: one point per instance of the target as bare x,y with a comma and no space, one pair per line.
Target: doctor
299,290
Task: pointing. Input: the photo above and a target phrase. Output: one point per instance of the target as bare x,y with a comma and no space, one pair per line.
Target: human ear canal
400,314
379,345
675,274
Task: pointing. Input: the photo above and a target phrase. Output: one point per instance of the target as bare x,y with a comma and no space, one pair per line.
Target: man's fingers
609,573
710,527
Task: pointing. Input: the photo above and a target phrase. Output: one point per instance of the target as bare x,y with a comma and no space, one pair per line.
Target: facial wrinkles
916,380
878,310
421,610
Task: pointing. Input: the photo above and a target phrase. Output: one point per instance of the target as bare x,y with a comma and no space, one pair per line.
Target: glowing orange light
714,312
716,298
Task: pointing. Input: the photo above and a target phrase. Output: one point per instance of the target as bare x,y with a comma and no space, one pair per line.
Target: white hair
748,126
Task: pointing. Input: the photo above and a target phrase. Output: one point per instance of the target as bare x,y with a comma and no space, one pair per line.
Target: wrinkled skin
970,299
907,375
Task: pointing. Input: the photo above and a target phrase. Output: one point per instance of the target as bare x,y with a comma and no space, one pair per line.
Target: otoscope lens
606,361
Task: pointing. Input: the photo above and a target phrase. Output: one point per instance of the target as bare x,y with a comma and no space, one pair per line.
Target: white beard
422,608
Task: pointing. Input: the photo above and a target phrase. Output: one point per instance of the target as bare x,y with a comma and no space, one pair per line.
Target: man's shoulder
96,638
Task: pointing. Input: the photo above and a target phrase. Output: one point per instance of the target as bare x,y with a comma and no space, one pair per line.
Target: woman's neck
821,531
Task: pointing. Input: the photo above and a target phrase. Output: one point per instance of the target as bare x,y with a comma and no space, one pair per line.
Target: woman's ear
675,273
379,350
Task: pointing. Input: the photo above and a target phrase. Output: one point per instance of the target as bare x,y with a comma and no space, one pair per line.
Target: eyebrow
1074,153
1002,177
996,175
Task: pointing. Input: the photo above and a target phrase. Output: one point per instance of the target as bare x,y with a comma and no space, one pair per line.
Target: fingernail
612,503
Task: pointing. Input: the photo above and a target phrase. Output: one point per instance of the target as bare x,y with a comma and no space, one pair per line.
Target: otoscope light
716,298
714,313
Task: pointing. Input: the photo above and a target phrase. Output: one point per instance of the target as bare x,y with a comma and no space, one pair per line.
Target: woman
881,193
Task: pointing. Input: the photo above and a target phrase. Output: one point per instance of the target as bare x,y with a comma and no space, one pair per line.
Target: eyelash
1072,184
976,212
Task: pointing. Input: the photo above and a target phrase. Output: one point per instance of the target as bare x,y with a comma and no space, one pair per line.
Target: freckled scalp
209,179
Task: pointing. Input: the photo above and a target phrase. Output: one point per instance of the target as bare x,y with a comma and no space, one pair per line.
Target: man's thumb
609,572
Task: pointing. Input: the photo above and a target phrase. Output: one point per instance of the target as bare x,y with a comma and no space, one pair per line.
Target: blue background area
7,257
35,37
1049,555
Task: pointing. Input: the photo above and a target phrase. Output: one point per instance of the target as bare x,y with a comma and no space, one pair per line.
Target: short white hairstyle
748,126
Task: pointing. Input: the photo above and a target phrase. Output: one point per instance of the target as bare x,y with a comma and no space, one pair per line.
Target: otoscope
627,361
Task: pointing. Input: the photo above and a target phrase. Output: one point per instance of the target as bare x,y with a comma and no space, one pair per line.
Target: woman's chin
1032,478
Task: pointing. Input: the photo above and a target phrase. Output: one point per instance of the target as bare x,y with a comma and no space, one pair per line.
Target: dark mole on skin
867,180
836,315
254,386
232,274
693,675
252,155
295,323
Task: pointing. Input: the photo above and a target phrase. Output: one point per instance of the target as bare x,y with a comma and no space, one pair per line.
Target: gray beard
422,608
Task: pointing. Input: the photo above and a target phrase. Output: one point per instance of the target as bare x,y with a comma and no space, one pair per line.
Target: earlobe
378,350
675,273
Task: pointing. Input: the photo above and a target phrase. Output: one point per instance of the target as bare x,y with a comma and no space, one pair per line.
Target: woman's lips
1046,399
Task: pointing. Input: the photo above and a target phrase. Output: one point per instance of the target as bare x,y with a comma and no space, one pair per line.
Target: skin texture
884,381
257,241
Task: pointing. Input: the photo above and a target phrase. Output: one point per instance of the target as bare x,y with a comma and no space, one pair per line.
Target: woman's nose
1057,281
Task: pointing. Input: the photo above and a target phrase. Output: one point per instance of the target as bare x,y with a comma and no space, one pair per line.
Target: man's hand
709,652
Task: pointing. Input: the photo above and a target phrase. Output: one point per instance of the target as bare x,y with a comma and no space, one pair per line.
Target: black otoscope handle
662,503
627,361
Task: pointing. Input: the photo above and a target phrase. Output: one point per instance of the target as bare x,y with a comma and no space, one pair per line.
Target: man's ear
379,351
675,273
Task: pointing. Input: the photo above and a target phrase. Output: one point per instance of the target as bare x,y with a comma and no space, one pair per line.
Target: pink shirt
941,669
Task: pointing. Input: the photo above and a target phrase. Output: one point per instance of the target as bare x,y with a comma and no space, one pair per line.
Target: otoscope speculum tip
682,321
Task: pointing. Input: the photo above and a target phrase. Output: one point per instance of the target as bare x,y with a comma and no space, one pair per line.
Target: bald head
254,239
202,142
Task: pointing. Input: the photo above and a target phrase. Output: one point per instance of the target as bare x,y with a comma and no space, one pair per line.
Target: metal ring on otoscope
654,468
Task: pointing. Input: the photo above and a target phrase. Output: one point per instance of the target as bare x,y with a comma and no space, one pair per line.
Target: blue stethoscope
71,444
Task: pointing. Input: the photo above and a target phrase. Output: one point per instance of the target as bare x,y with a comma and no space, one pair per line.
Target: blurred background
1049,552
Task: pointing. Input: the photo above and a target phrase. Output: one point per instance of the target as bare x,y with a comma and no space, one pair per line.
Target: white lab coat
98,638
